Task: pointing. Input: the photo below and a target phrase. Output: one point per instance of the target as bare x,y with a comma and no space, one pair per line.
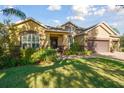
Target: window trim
30,42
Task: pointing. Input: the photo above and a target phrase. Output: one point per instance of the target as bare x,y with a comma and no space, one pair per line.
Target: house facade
32,33
99,38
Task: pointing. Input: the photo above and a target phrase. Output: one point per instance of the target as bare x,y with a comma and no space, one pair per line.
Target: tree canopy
13,11
122,40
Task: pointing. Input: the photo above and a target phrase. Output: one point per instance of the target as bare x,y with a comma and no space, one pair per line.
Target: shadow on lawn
63,74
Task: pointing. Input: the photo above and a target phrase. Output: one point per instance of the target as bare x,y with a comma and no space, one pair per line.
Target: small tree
122,41
115,29
8,32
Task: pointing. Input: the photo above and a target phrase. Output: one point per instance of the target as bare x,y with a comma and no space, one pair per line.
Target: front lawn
91,72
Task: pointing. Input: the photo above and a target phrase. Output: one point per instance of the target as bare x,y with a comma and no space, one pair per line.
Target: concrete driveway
118,55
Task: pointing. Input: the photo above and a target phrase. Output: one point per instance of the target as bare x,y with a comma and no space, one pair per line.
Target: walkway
117,55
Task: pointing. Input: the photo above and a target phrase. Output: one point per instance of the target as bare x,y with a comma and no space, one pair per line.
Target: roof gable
110,28
69,23
103,25
30,19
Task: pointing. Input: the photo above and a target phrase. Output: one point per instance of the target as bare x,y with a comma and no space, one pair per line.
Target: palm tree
8,12
13,11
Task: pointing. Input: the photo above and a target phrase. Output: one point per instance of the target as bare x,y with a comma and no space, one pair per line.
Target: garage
102,46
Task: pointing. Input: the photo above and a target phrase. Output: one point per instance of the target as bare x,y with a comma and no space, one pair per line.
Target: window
30,40
68,28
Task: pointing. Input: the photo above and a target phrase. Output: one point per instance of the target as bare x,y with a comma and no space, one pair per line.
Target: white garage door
101,46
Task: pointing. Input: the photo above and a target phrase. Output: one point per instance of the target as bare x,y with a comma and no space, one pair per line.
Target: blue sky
83,16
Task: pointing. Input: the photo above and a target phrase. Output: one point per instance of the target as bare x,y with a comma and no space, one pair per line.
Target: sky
83,16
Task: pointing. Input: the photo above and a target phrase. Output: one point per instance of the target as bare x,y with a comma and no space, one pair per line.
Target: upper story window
70,29
30,40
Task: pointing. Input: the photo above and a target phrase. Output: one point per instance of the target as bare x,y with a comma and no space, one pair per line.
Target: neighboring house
99,38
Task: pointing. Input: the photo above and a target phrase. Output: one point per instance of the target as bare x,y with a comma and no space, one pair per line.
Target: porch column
118,45
85,42
65,41
47,41
110,44
42,39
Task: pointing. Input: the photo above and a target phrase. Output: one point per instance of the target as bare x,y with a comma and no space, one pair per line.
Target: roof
77,27
91,27
69,22
58,31
32,19
54,28
51,28
96,25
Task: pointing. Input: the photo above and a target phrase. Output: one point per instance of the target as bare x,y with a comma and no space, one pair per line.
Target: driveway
118,55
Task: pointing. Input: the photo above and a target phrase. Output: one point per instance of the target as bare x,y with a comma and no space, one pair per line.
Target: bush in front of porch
76,49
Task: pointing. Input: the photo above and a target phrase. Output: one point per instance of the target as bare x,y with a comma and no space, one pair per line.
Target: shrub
70,52
75,47
16,57
44,55
122,49
87,52
14,52
7,58
26,56
6,61
1,51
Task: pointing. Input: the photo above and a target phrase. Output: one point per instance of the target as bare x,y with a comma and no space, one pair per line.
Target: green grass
92,72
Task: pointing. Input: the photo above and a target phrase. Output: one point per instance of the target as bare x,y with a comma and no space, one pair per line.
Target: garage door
102,46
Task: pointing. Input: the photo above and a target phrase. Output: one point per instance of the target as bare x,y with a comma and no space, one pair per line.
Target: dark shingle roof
90,27
54,28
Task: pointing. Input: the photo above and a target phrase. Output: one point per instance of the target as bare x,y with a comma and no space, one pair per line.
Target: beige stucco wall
105,26
98,32
31,26
103,37
65,41
43,32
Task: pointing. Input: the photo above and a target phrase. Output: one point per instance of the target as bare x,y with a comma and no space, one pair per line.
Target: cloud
54,7
119,10
111,7
116,9
80,18
1,11
79,12
100,12
114,24
10,6
56,21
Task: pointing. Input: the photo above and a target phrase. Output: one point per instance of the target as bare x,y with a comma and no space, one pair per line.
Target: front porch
57,39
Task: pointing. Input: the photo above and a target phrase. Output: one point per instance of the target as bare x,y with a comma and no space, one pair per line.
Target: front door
54,42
